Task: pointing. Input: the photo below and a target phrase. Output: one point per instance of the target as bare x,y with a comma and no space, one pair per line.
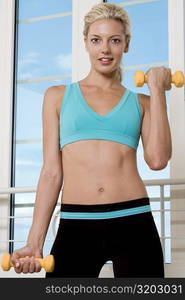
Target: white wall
177,124
6,87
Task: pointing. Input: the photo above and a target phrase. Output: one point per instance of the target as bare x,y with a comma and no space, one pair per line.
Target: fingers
169,87
24,260
32,266
18,268
15,258
169,79
28,265
37,266
159,77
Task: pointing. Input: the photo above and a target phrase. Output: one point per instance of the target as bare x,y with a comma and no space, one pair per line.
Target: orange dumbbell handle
47,263
177,78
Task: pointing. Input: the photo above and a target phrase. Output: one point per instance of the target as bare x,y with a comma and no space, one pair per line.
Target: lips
106,62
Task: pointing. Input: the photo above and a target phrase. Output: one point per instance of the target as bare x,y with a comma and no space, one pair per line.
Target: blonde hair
108,11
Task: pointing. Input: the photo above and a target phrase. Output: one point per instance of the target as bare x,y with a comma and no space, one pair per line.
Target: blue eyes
112,40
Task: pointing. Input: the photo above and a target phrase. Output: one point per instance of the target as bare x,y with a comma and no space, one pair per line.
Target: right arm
51,177
49,184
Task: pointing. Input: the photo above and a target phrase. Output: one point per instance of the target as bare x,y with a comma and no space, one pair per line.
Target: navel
101,189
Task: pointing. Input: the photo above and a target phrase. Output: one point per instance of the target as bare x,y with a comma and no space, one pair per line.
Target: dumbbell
178,78
47,262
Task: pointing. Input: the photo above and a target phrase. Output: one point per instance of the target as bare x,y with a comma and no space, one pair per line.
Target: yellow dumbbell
47,262
178,78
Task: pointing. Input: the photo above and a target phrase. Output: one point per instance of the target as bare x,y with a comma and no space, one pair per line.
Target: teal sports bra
79,122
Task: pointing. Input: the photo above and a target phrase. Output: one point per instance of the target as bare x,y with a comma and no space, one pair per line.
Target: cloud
27,75
29,62
30,58
64,61
27,163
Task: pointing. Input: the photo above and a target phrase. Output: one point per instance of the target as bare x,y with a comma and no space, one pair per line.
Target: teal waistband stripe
106,214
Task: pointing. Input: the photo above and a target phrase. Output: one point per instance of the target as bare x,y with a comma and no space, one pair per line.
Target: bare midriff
100,171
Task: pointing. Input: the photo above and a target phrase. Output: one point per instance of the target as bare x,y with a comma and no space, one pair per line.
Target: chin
107,69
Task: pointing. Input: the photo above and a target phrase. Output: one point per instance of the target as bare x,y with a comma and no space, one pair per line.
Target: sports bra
79,122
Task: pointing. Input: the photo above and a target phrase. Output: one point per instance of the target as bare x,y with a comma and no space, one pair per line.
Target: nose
105,47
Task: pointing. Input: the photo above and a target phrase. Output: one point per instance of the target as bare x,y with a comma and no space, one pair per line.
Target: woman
105,209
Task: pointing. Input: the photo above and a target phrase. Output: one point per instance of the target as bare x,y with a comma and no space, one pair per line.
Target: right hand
29,264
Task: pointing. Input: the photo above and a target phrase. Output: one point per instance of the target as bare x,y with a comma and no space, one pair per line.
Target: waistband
104,211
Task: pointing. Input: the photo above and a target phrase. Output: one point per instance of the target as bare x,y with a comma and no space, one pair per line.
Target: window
43,51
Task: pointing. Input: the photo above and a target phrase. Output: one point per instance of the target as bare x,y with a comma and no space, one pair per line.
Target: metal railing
154,182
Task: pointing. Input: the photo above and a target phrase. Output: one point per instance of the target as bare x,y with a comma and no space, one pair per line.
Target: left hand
159,78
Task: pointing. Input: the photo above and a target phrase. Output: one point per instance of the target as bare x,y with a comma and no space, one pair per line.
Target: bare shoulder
55,93
144,101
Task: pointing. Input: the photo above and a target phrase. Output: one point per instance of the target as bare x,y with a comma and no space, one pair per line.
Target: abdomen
100,171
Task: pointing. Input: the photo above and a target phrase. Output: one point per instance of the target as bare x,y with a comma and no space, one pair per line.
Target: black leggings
123,232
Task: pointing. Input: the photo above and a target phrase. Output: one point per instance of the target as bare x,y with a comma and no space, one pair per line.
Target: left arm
156,133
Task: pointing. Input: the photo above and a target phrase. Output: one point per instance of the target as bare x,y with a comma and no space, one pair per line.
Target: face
106,39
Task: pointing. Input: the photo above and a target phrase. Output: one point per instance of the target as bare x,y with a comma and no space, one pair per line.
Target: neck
102,80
